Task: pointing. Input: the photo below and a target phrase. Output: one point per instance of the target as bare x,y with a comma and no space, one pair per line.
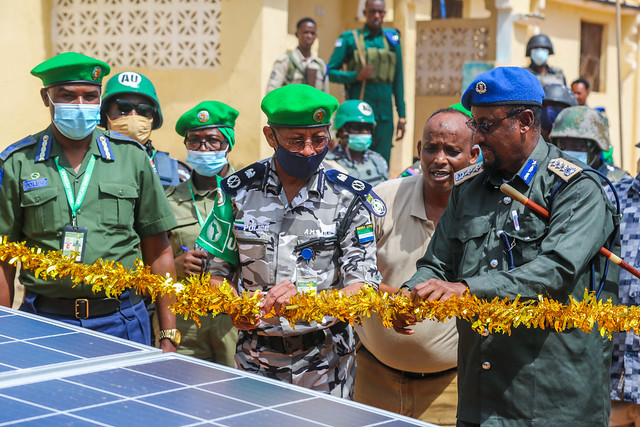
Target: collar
531,166
48,146
367,33
315,185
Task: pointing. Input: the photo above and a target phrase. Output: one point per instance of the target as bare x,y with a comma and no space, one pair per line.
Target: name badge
74,240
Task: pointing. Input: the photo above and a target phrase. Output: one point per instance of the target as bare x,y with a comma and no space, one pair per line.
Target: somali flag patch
365,233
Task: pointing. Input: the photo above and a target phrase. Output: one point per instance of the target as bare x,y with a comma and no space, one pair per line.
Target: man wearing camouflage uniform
583,133
299,227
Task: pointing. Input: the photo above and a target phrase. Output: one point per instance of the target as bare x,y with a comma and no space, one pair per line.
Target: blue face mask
539,56
75,121
207,163
580,155
297,165
359,141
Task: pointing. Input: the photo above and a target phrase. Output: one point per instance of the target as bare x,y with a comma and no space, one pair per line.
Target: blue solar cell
58,421
21,327
5,368
13,410
132,413
258,392
183,371
333,413
85,345
57,394
24,355
124,382
266,418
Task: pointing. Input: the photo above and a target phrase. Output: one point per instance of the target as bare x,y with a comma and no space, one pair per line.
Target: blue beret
504,86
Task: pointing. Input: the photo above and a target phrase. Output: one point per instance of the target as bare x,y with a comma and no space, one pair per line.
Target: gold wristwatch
172,335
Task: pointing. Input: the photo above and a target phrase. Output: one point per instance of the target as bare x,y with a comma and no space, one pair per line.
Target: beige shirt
278,76
402,237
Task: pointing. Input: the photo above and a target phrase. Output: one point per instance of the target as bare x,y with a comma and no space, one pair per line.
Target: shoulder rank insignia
392,36
30,140
363,189
44,148
105,147
467,173
243,177
564,168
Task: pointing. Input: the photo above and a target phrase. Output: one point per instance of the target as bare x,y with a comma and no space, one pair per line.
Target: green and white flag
217,236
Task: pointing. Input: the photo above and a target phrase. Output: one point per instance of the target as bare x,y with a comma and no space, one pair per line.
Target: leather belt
408,374
293,343
81,308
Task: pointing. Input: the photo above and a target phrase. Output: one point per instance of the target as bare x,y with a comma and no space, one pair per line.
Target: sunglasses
125,107
486,128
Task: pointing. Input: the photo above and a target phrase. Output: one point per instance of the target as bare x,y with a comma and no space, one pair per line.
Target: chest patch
31,184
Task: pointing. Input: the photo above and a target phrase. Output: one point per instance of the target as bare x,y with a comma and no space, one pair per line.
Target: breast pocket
117,204
41,209
257,258
527,240
316,259
472,235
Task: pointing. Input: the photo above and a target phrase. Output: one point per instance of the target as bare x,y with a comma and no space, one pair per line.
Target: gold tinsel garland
195,297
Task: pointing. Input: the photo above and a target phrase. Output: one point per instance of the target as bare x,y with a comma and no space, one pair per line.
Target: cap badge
481,88
35,175
319,115
203,116
96,73
365,109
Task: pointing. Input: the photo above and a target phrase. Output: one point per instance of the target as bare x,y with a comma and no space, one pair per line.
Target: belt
408,374
81,308
293,343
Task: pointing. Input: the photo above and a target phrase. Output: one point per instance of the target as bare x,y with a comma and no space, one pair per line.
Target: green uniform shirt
539,377
124,203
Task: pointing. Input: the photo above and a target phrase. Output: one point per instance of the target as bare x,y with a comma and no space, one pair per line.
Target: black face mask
297,165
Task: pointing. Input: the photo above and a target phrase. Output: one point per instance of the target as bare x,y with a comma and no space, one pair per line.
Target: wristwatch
172,335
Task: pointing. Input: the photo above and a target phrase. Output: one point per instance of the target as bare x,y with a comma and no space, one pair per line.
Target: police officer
374,73
88,191
299,227
494,247
539,48
130,106
300,65
208,132
583,133
556,98
354,123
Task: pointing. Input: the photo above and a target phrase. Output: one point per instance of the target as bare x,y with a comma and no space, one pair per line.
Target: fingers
245,324
278,297
402,322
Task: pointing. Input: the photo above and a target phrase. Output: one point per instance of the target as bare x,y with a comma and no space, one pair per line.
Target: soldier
300,66
130,106
492,246
354,123
539,48
81,189
556,98
208,131
299,227
580,88
583,133
374,73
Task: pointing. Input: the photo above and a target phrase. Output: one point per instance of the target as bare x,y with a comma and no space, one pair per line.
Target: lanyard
200,221
75,203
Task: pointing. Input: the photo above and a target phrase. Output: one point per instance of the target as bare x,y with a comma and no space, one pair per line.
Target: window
452,8
591,59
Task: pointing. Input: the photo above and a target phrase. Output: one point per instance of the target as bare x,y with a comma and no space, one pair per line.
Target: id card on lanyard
74,238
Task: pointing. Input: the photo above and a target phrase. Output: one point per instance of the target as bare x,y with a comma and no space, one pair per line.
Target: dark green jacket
533,377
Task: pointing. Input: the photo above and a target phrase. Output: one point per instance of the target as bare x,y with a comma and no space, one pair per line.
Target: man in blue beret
490,245
87,191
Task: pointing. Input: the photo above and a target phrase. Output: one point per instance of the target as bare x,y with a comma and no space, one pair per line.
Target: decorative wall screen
140,33
443,47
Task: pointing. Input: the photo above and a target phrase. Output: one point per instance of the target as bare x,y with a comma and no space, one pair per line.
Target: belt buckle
292,343
78,308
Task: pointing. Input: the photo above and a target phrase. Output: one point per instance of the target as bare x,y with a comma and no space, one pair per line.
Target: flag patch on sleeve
365,233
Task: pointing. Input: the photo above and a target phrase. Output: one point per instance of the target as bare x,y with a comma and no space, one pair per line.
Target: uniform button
120,192
506,200
494,263
485,333
486,366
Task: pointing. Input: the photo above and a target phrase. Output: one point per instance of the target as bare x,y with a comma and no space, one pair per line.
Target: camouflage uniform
373,169
270,232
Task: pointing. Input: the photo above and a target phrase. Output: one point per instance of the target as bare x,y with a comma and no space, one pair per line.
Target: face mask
580,155
539,56
75,121
207,163
297,165
549,115
359,141
136,127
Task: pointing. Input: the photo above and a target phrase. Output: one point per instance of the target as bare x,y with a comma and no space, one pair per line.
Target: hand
167,346
402,321
242,322
438,290
278,297
190,263
400,129
365,73
353,288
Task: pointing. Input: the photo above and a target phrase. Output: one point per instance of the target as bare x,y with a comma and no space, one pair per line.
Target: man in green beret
89,192
299,227
208,132
130,106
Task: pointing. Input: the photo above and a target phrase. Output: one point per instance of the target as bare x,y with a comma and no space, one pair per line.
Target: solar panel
94,379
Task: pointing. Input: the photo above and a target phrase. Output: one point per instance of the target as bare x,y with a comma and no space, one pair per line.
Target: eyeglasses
485,128
318,143
125,107
211,144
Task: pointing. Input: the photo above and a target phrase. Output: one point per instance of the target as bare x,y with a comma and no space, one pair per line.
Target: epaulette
564,168
467,173
363,189
243,177
30,140
392,35
124,138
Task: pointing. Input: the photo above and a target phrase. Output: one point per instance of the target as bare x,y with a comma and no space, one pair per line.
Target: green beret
71,67
209,114
298,106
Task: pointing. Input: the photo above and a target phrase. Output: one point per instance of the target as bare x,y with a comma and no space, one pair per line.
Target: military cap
71,67
582,122
298,106
503,86
353,111
208,114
